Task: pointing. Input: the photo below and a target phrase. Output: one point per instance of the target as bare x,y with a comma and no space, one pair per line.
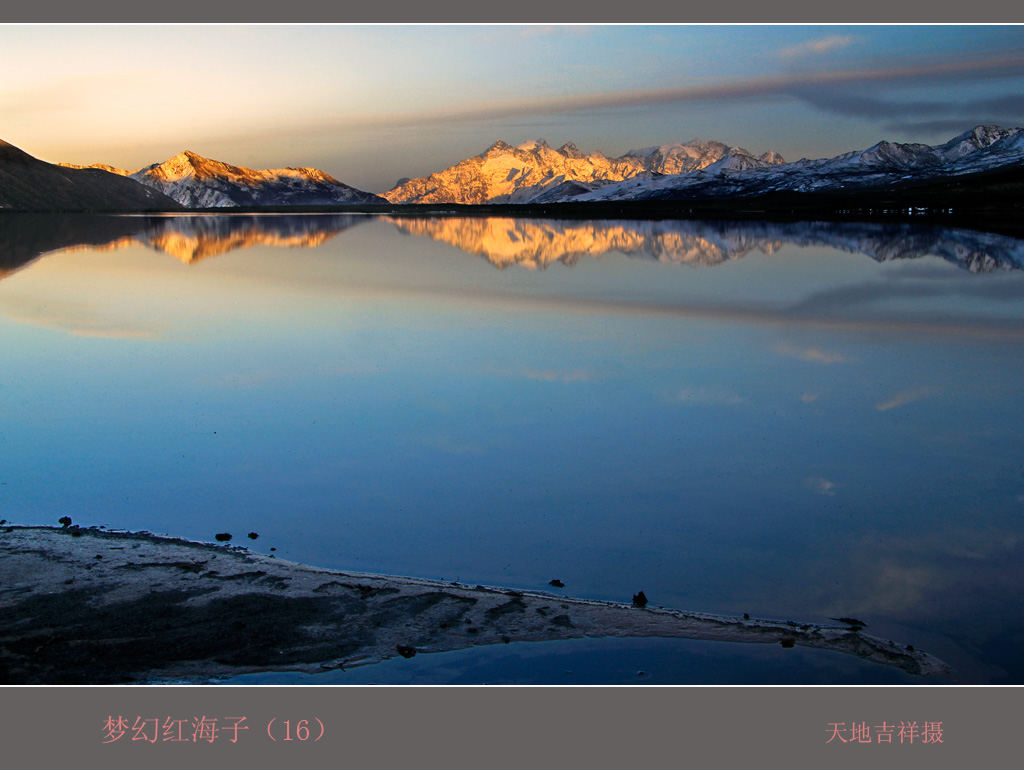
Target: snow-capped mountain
198,182
534,173
980,149
506,174
696,154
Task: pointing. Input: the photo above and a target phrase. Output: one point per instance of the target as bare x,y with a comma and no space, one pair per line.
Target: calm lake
794,421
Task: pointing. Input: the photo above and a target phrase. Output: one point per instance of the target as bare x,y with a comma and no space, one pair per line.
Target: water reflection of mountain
530,243
24,237
191,239
538,243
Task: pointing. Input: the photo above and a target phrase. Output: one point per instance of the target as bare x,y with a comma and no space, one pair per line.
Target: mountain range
663,178
982,149
506,174
202,183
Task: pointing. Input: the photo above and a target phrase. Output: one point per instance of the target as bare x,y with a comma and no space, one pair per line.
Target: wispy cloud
910,115
564,376
808,398
448,445
903,572
248,380
546,30
78,319
110,332
946,70
818,47
821,486
904,397
899,289
555,375
65,94
705,397
811,354
853,105
946,126
897,588
961,542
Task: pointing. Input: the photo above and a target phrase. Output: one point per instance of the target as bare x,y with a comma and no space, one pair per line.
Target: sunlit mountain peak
506,174
100,166
199,182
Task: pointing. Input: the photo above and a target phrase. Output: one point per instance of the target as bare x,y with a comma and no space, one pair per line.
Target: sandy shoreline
89,606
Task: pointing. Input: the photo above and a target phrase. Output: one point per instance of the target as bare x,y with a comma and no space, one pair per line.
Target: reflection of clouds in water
553,375
892,588
906,285
564,376
245,380
912,575
448,445
959,543
257,378
904,397
705,397
817,47
932,573
79,319
810,354
105,331
821,486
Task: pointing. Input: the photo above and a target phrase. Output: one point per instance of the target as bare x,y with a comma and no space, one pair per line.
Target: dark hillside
30,184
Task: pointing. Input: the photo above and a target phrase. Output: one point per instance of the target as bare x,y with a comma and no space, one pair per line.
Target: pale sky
371,104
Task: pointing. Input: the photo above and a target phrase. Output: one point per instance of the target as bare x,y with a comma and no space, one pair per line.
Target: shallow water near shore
800,422
622,662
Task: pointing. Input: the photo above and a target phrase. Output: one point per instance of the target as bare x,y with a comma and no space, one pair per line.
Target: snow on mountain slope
523,174
982,148
694,155
535,173
198,182
977,138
